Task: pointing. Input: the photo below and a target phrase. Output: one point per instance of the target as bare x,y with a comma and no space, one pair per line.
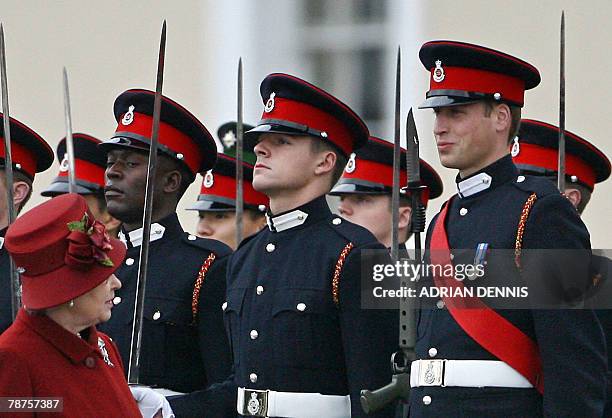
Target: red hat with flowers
61,251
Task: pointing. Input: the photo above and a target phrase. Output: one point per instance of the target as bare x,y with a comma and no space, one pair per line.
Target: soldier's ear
172,181
326,161
502,117
574,196
405,213
21,192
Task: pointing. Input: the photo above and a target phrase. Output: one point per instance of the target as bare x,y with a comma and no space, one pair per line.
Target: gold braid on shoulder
195,299
518,246
336,280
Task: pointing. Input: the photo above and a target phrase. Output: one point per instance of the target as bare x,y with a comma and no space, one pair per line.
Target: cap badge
229,139
270,103
516,148
351,165
209,179
129,116
438,72
64,164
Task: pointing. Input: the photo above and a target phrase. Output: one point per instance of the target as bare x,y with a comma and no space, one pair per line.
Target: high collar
168,226
69,344
305,215
489,178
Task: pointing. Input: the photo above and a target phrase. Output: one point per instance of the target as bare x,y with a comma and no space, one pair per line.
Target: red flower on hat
88,242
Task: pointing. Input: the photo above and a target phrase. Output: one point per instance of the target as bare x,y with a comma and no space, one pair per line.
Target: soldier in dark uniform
366,185
184,346
30,154
483,361
90,164
302,345
535,152
216,204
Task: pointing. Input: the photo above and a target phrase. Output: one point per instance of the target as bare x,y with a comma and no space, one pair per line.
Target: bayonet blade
8,171
412,151
561,162
396,164
69,139
239,158
136,342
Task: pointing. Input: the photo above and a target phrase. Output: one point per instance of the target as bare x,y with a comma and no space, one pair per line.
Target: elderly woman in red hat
52,350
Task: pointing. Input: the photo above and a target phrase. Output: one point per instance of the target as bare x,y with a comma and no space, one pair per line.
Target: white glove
150,402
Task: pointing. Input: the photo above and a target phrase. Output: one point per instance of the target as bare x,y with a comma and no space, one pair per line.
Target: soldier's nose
204,231
345,210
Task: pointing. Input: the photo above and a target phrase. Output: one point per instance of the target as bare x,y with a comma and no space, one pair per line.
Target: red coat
40,358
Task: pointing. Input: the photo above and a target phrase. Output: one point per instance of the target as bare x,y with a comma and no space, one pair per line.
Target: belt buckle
431,372
255,403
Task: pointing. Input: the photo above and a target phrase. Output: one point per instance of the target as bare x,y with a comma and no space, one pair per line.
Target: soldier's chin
261,184
123,214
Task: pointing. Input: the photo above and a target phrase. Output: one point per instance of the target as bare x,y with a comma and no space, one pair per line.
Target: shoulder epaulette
534,184
351,232
210,245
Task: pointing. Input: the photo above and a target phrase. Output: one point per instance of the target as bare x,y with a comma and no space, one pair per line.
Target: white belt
466,373
269,403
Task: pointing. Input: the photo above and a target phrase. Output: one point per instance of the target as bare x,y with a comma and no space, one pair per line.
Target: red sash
485,326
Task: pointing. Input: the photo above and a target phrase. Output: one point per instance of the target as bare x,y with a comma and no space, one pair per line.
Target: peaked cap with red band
30,153
90,164
537,153
296,107
181,135
370,171
58,263
463,73
218,190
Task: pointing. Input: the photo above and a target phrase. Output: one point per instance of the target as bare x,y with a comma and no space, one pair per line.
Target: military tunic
601,301
38,358
287,333
570,342
180,352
